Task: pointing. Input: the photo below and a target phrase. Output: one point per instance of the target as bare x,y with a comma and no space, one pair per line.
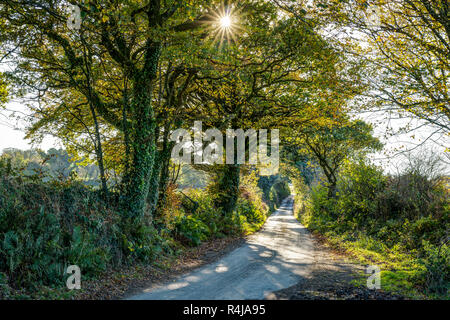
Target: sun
224,24
225,21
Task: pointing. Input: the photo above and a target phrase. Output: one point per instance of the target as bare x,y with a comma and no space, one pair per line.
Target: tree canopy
112,79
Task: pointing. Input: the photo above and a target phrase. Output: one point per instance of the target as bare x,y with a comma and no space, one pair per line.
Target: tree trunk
332,190
226,188
154,182
164,176
99,153
142,138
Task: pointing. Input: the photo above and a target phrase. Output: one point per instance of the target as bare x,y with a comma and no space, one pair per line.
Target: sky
421,142
12,135
12,132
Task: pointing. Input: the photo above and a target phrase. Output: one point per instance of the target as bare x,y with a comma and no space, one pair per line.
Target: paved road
276,257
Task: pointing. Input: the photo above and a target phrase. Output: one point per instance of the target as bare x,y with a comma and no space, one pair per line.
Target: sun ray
224,24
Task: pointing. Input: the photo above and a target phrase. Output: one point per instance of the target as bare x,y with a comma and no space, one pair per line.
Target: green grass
399,270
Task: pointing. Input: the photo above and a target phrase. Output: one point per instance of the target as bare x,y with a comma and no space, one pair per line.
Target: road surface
274,258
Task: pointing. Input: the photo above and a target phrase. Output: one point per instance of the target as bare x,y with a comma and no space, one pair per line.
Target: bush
205,211
191,230
436,261
279,191
399,220
197,210
358,188
251,211
411,195
83,252
252,208
251,215
4,286
44,227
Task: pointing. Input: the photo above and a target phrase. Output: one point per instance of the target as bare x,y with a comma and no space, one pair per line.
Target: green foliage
86,254
165,69
251,215
141,241
377,219
224,187
358,188
192,229
206,211
331,143
253,212
191,178
30,253
4,286
252,207
265,184
437,268
318,214
51,165
206,222
3,91
278,191
44,227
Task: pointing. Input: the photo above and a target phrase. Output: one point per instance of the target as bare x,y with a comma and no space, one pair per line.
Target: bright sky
422,141
12,133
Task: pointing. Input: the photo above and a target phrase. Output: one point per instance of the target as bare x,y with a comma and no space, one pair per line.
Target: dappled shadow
331,282
276,257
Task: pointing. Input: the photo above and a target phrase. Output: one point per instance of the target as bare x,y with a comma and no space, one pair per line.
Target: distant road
276,257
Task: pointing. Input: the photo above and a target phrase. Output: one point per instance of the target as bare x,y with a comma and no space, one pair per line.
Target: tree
330,145
116,50
404,48
410,45
132,72
3,56
262,87
404,45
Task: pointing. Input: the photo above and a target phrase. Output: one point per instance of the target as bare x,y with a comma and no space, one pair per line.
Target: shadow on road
276,257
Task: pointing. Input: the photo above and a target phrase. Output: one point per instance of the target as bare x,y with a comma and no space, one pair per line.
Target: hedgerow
400,222
48,224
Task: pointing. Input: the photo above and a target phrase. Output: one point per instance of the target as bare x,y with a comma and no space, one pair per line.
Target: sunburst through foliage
225,24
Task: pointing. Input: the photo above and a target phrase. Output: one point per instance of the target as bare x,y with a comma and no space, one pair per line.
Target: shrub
4,286
191,230
170,206
387,218
279,191
437,268
44,227
204,210
358,188
411,195
251,206
84,253
251,211
248,216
